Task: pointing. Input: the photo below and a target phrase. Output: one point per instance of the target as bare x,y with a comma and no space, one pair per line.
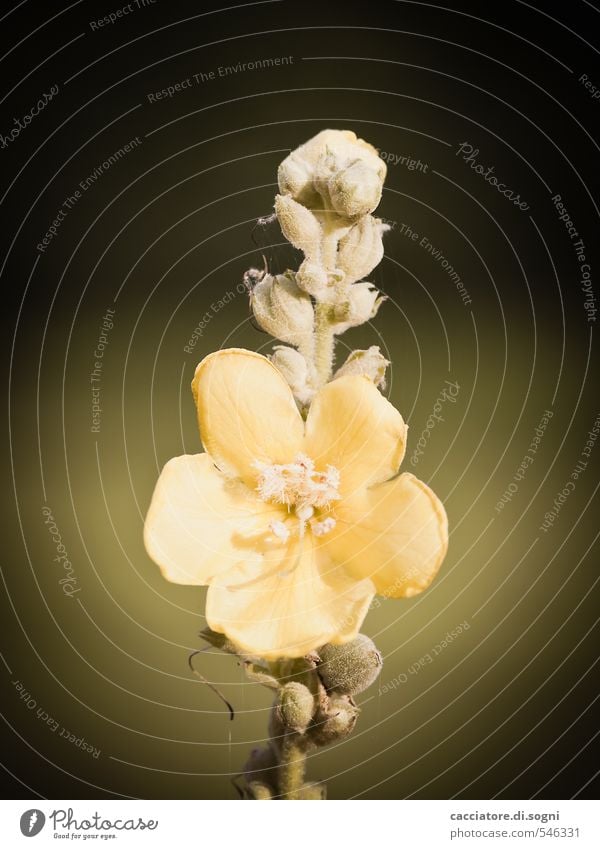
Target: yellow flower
293,525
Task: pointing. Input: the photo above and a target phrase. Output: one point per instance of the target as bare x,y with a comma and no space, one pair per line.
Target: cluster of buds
329,188
314,706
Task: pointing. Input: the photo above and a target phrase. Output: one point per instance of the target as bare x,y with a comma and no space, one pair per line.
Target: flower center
304,490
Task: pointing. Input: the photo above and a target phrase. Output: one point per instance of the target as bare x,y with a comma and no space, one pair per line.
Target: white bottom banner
189,823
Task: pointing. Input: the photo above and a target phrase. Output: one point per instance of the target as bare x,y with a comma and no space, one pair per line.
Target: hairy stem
291,770
324,344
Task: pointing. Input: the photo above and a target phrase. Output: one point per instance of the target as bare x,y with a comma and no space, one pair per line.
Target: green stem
324,343
291,770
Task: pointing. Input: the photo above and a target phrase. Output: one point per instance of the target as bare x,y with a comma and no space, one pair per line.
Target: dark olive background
508,708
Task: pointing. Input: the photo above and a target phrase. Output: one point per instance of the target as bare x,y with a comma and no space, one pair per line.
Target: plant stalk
291,770
324,344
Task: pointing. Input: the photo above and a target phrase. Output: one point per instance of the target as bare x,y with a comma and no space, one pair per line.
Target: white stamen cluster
302,488
323,527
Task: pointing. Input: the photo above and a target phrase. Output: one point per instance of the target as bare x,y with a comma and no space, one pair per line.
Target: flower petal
246,412
395,533
351,426
292,603
200,523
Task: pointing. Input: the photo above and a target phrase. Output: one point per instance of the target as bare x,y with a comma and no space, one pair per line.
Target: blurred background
147,203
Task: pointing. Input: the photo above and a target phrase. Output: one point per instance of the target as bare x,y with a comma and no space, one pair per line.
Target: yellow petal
395,533
200,523
246,412
351,426
292,603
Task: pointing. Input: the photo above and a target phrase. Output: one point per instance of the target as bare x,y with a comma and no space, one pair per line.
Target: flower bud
349,668
370,363
310,173
313,279
282,309
294,176
338,722
299,225
360,304
295,706
356,189
294,368
296,173
362,249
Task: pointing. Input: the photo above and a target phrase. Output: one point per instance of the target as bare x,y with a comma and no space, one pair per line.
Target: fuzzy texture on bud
295,706
370,363
299,226
361,249
356,189
334,170
313,279
283,309
294,368
360,304
350,668
338,722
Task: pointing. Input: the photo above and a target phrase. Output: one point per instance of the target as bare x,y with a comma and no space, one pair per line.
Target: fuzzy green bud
335,723
349,668
295,706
